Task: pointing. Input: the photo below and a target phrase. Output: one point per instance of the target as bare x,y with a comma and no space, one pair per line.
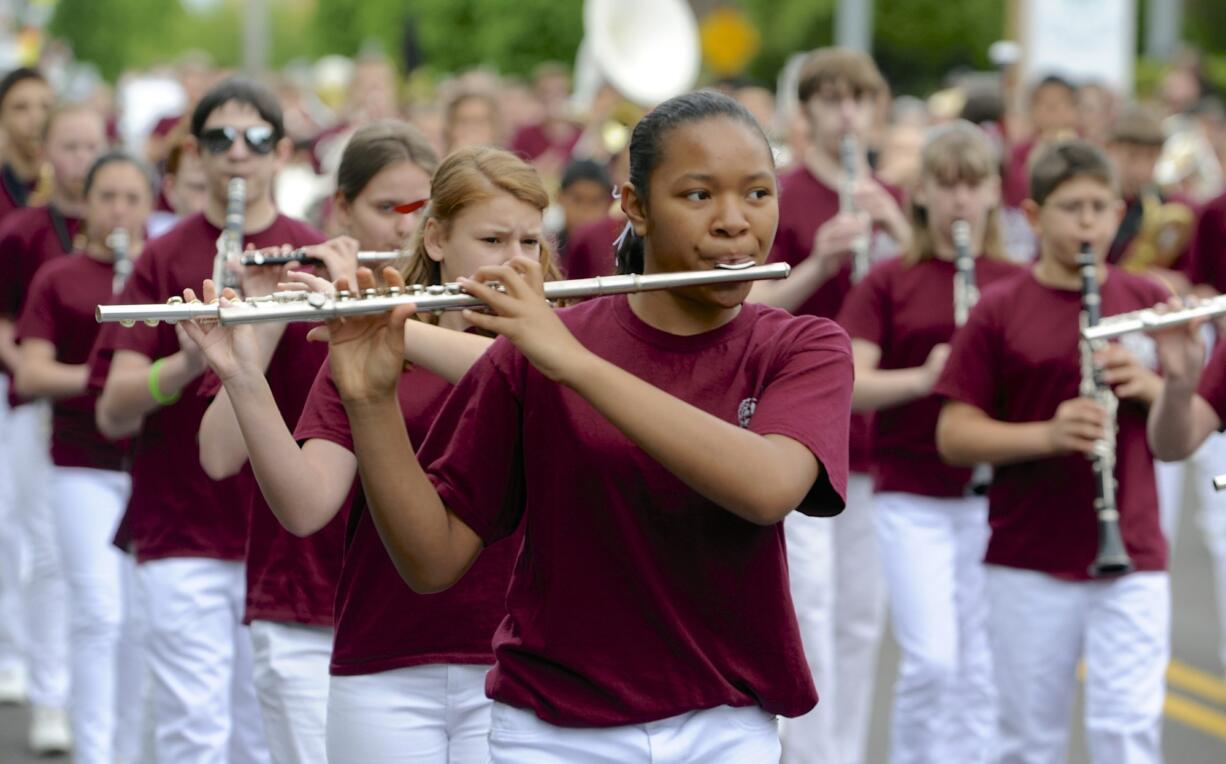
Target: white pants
722,735
839,594
45,594
1042,626
291,679
88,504
434,714
203,698
1206,463
12,548
944,697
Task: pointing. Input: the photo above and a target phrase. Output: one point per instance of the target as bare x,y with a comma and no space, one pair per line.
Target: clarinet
1112,558
966,294
230,242
849,155
118,241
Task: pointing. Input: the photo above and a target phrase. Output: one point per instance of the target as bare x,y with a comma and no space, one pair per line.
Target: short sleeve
808,399
1205,249
1213,383
864,313
323,417
473,453
970,373
38,316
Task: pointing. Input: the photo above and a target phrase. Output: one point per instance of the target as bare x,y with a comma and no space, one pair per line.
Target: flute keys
369,294
436,289
316,299
127,324
343,295
394,291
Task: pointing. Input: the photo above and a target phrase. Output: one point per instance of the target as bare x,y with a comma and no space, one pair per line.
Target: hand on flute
366,352
1181,349
229,350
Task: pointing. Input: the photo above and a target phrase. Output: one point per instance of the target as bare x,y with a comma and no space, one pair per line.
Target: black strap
18,191
60,224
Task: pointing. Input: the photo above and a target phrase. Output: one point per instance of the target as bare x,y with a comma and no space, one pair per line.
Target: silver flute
1148,319
966,294
300,255
230,241
966,289
119,241
849,155
1112,557
317,306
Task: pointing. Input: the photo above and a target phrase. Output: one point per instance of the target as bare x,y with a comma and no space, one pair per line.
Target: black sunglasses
261,139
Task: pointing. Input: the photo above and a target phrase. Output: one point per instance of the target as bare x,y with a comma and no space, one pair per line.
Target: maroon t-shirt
176,510
1017,359
805,204
590,253
382,624
1207,250
635,598
14,192
907,311
531,141
29,237
289,579
60,309
1015,185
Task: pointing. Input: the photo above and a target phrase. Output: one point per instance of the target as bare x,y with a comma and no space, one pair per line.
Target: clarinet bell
1112,558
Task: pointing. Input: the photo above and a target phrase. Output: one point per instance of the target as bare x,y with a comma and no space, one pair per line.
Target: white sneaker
12,684
49,731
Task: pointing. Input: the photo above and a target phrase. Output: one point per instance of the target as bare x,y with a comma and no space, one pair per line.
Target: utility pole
1163,28
853,25
255,37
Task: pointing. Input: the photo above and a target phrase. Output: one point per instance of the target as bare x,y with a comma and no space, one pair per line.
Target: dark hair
239,90
377,146
117,156
1061,162
18,75
585,169
647,146
1053,80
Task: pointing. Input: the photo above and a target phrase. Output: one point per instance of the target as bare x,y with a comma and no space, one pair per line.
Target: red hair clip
406,209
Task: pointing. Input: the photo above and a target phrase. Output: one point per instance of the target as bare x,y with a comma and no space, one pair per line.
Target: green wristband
155,391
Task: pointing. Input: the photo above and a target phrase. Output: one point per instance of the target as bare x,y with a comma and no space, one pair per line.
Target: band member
931,529
1053,115
188,533
292,582
836,577
583,198
25,102
1012,382
472,120
606,429
1189,412
408,671
73,137
89,486
184,187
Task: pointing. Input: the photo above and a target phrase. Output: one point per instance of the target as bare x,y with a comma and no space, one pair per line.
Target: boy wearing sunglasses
189,533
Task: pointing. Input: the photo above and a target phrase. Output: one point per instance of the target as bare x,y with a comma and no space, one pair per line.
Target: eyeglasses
261,139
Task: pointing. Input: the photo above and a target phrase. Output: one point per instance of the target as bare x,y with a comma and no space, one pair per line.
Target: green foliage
917,42
787,27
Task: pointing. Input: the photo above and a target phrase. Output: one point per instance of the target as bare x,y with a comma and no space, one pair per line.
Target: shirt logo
744,412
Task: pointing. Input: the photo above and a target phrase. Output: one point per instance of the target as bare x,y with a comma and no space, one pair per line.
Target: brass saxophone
1112,558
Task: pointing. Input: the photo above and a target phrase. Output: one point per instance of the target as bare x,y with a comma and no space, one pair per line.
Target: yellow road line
1192,714
1195,681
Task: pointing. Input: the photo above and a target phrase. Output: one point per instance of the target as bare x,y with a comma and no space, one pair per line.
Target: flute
230,241
849,154
299,255
1148,318
118,241
1112,557
316,306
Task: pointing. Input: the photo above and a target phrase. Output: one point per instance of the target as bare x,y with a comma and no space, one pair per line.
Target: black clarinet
1112,558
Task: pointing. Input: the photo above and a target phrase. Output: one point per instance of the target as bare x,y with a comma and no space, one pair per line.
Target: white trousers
44,594
433,714
88,504
1173,478
839,593
721,735
203,698
291,679
12,548
1042,626
944,696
